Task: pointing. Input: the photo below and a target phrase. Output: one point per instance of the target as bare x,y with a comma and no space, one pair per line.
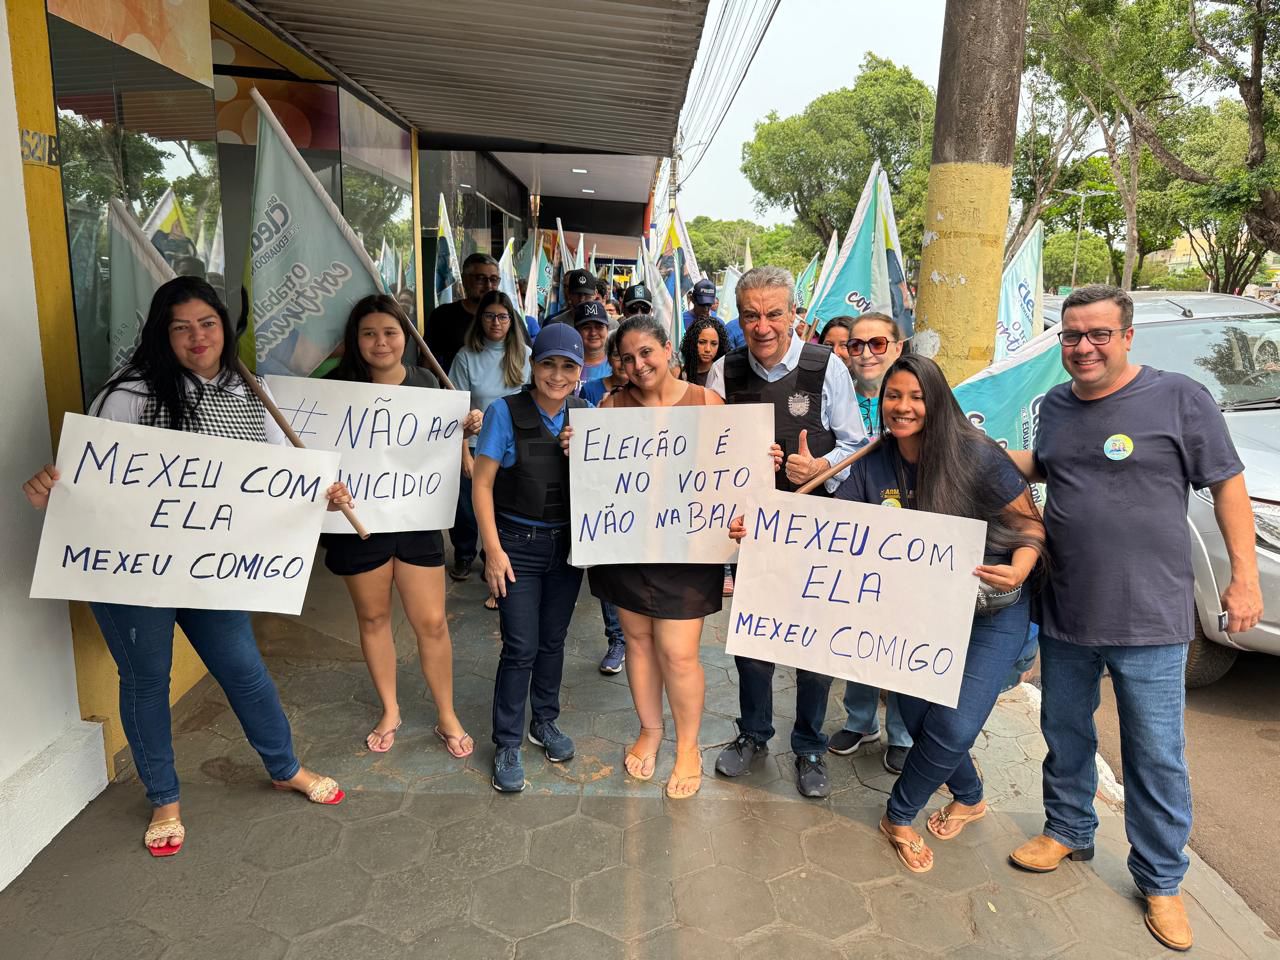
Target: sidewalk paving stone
424,860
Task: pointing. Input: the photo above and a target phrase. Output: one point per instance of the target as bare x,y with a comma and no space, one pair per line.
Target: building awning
588,76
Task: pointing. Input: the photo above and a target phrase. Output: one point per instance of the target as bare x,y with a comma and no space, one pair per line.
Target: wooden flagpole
832,471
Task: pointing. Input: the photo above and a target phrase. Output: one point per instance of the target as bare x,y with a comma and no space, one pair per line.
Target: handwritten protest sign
162,518
401,447
859,591
660,485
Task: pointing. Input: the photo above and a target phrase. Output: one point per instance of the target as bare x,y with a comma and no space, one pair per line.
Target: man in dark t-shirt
1120,447
447,324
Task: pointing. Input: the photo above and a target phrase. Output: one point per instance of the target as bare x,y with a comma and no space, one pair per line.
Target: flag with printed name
859,280
1021,313
306,267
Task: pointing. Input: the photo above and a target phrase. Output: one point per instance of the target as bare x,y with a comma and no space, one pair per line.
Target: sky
812,47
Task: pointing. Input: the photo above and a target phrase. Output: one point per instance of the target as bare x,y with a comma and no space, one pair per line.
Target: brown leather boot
1167,920
1043,854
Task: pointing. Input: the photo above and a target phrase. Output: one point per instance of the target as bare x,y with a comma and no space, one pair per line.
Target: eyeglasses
1099,338
496,317
488,279
877,345
638,308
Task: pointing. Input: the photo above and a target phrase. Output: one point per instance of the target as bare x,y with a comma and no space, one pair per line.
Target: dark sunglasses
638,308
877,345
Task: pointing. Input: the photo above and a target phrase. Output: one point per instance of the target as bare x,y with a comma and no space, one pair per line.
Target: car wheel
1207,661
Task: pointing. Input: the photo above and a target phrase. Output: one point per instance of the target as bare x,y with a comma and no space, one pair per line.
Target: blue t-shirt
1119,471
497,441
594,391
736,337
875,479
869,407
597,371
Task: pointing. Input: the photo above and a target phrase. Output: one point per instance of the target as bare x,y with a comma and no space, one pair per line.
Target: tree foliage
1094,264
721,243
103,160
816,162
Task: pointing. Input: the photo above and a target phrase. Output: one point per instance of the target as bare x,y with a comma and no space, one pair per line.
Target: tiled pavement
424,860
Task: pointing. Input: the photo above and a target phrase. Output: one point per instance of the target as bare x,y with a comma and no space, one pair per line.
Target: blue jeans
1150,698
534,616
862,703
612,626
755,700
141,642
944,735
464,535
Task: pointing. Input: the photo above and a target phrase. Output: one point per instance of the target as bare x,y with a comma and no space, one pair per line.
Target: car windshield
1236,358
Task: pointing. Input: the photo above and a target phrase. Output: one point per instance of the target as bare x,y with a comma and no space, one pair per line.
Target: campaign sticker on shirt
1118,446
891,502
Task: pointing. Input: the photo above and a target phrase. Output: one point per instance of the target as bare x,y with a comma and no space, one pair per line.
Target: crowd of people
1105,571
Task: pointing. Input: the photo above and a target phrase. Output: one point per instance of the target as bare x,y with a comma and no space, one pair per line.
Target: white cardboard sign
401,447
870,593
661,484
163,518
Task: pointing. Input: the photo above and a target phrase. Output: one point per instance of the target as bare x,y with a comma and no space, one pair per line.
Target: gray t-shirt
1119,471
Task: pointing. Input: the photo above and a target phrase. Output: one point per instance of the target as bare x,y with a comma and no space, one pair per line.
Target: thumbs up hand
803,466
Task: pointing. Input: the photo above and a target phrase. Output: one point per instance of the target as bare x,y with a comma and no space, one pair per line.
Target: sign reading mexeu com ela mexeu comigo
869,593
163,518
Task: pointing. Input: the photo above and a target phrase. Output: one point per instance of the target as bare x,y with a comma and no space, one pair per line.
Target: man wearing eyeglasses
447,324
1121,446
816,423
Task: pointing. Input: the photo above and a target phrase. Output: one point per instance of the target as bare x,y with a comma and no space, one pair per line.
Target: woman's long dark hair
689,345
949,475
352,365
154,370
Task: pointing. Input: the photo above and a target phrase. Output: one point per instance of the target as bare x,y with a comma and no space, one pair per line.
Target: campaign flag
677,265
166,227
728,295
306,267
137,270
533,278
1004,399
525,255
591,262
1021,314
805,283
388,269
507,282
215,258
664,307
897,297
447,272
828,262
746,259
861,272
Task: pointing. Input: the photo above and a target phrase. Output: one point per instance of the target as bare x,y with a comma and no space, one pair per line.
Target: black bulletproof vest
796,399
536,486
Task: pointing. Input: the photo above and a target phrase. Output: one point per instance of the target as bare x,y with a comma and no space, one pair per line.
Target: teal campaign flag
805,282
137,270
1021,314
1004,399
306,266
860,271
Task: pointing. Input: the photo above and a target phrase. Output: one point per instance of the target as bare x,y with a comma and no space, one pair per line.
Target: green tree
816,162
790,246
719,243
102,160
1059,251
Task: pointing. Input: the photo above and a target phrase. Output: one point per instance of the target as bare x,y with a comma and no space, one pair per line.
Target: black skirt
347,555
664,591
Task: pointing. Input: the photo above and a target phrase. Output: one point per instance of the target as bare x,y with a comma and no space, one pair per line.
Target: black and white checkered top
222,407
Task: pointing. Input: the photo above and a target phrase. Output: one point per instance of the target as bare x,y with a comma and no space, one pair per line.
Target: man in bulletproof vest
816,423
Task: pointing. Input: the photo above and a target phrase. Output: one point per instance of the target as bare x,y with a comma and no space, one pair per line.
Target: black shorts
347,555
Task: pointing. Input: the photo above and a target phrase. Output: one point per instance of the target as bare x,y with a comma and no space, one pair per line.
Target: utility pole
967,211
1083,195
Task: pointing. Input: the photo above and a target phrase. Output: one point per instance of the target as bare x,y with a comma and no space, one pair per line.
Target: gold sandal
643,761
916,847
166,829
943,818
675,783
322,790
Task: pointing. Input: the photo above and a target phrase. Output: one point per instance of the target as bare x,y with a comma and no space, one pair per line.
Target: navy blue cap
558,340
579,281
592,311
704,293
637,293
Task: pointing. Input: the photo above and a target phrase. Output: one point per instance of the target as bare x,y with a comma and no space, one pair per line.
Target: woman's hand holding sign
338,496
38,487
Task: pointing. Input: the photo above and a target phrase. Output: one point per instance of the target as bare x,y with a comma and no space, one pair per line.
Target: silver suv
1232,346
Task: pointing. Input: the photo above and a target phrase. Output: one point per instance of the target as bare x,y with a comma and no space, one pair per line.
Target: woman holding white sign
183,376
661,606
520,490
932,458
411,561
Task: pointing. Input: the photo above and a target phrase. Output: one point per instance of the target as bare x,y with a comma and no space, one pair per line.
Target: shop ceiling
580,76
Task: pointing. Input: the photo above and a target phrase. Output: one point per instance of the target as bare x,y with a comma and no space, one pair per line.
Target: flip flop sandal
915,846
460,747
323,790
165,829
491,600
675,782
943,818
375,740
644,760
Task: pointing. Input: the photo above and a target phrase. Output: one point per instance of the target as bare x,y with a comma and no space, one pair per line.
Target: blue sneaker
613,660
549,737
508,771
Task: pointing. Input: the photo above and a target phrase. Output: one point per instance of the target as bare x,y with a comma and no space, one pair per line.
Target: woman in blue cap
520,491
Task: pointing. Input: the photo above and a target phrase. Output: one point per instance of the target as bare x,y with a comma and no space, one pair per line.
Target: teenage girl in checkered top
183,376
